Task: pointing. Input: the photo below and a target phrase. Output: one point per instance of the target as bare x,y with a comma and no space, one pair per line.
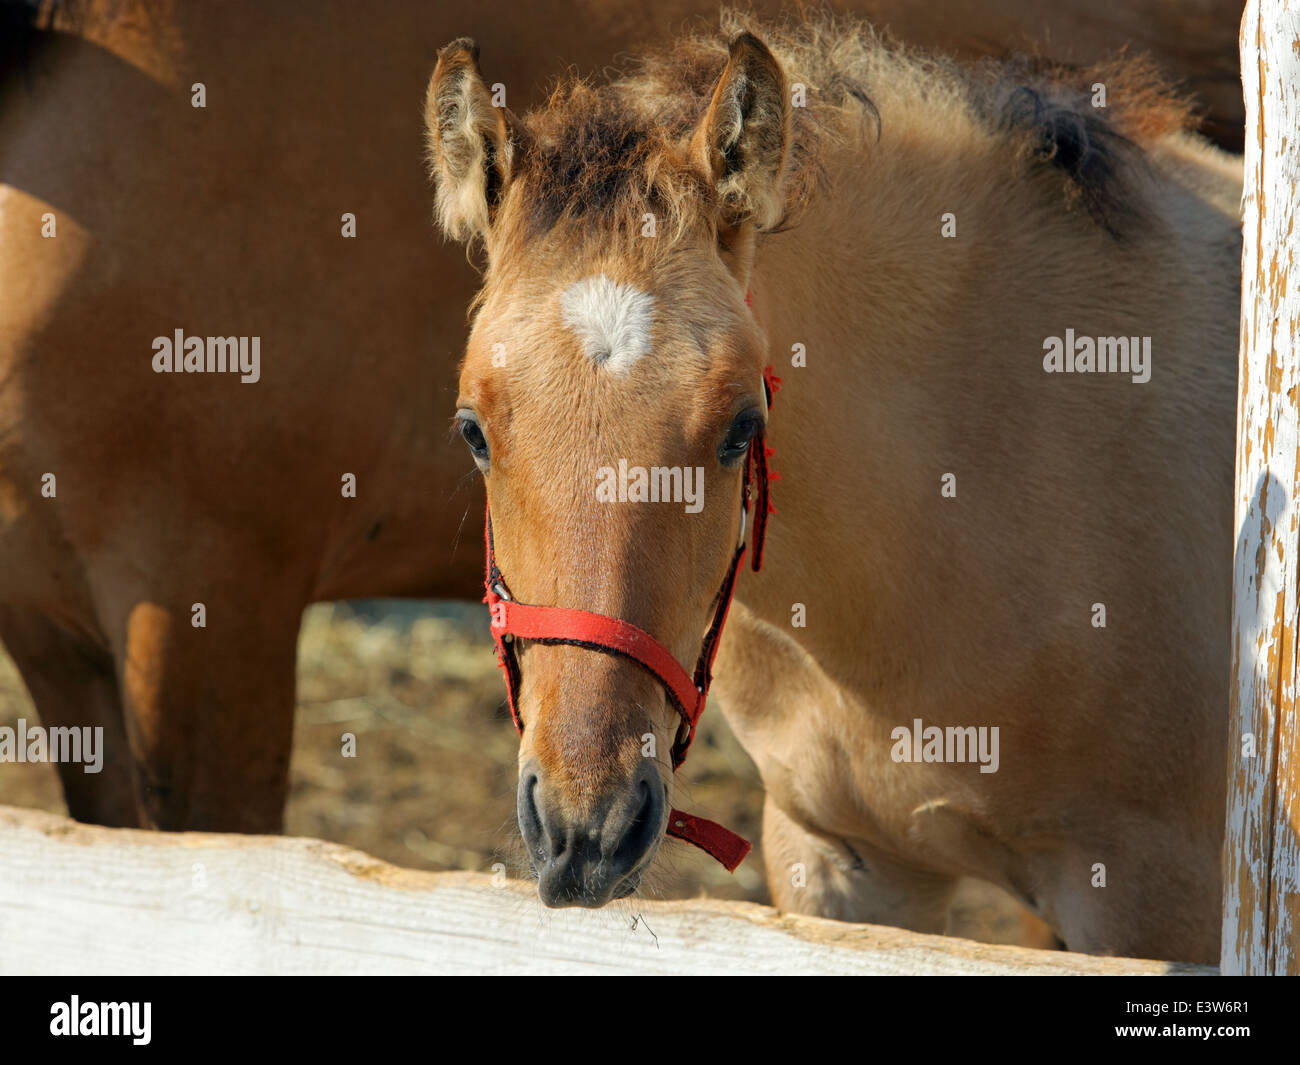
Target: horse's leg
209,710
811,873
73,684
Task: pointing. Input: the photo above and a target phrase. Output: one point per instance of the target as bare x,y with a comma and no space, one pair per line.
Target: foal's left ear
744,137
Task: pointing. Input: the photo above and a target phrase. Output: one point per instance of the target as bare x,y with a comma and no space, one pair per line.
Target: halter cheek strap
512,620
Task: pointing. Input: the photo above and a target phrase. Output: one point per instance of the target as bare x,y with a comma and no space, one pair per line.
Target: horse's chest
843,765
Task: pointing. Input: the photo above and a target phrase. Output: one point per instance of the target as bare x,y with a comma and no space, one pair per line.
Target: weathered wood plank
1261,913
81,899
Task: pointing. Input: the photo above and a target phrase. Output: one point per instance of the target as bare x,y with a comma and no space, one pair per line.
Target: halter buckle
685,734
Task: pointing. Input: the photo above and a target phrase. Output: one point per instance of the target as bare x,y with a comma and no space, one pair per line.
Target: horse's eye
473,435
741,434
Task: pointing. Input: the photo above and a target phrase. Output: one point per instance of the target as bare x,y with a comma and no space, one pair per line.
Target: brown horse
128,212
990,636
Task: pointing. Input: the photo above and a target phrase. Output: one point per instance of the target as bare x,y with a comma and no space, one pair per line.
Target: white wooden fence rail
81,899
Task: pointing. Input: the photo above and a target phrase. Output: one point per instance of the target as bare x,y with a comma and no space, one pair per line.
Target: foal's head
612,362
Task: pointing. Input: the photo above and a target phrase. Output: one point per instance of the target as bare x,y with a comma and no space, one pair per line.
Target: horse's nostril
643,829
530,821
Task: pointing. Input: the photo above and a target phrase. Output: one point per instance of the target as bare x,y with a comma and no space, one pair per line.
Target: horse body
978,609
180,489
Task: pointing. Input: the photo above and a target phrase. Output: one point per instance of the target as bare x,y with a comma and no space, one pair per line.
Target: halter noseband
597,632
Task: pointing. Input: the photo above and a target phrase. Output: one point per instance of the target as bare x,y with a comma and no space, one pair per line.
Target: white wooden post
1261,901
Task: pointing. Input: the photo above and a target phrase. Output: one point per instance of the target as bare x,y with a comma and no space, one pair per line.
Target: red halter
596,632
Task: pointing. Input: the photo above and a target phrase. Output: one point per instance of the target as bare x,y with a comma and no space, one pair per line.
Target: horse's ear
744,137
470,144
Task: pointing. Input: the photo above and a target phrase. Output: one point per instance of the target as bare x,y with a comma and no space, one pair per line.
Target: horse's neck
923,436
889,316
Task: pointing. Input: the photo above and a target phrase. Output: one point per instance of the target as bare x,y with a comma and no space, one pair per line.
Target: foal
981,536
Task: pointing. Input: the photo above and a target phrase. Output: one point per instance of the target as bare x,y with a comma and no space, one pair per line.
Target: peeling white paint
1262,844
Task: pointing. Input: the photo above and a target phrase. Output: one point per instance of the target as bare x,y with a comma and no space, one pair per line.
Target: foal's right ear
470,146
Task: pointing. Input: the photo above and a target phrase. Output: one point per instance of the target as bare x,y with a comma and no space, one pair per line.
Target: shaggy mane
612,153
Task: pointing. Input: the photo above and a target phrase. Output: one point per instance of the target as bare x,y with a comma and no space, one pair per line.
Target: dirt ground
432,784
